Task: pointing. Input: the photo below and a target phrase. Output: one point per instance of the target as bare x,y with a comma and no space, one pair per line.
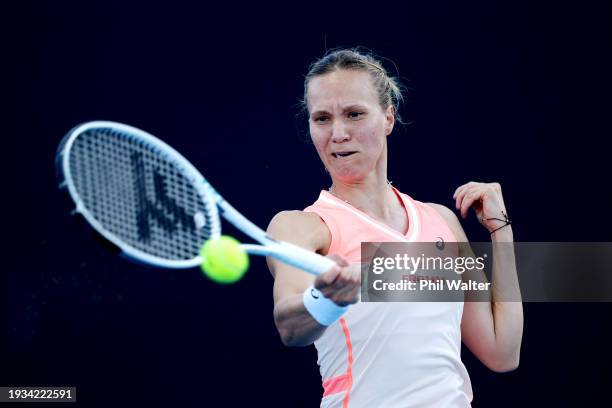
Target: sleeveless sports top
390,354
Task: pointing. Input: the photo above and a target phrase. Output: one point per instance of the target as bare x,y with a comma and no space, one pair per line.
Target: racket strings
138,193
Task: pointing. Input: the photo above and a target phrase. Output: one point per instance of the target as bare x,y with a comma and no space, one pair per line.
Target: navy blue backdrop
516,93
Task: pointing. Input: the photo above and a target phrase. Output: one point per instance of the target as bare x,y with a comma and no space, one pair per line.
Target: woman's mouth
339,155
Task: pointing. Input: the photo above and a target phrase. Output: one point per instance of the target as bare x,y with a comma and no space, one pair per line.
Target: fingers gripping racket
145,198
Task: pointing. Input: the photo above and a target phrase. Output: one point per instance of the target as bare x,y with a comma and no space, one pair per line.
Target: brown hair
388,88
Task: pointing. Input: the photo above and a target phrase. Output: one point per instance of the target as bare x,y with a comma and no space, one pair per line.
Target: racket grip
301,258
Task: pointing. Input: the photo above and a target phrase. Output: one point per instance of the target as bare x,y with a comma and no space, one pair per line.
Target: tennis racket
145,198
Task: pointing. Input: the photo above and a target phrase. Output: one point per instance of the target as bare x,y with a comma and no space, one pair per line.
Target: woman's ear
389,119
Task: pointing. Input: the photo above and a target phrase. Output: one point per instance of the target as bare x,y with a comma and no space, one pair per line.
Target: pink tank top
390,354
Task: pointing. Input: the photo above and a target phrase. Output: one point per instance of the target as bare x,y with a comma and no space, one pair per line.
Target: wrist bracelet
323,310
507,221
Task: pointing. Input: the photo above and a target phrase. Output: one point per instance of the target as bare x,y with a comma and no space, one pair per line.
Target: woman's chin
348,176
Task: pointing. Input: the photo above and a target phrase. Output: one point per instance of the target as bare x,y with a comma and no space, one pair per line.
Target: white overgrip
301,258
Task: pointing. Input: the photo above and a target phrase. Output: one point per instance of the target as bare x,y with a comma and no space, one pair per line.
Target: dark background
515,92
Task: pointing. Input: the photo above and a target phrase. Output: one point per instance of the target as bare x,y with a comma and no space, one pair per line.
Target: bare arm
340,284
492,330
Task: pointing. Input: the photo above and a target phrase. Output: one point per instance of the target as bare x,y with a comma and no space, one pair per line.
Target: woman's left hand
487,201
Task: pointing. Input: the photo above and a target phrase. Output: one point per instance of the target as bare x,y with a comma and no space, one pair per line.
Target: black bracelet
507,221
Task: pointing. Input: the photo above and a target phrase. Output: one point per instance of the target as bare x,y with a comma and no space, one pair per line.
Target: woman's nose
339,132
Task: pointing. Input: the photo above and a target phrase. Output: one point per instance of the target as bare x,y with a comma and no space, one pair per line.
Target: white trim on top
414,219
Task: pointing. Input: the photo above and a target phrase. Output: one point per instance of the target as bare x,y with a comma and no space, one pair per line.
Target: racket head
138,193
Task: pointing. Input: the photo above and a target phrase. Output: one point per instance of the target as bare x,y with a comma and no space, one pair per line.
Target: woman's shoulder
300,227
443,210
296,218
451,219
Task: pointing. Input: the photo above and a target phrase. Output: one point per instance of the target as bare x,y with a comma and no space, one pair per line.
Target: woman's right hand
342,283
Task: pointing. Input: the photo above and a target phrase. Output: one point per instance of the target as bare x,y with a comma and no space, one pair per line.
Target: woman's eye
321,119
355,115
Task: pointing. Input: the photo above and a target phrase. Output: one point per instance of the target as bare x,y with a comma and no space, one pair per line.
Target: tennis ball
223,260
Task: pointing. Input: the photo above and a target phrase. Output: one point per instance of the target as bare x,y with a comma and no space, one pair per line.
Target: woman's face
347,124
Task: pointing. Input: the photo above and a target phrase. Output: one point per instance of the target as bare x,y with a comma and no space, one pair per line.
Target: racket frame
215,204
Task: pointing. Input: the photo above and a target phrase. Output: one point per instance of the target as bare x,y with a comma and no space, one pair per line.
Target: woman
382,354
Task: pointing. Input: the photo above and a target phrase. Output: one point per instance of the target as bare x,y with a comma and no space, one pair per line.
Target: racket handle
293,255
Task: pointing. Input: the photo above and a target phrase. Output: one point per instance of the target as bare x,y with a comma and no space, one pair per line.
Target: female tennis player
383,354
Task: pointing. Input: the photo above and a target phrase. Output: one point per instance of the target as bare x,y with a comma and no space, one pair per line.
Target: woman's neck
376,198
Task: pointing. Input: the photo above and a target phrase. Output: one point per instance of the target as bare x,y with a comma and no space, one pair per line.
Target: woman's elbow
503,365
286,337
289,339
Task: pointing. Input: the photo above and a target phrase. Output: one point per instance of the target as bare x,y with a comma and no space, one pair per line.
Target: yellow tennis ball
223,260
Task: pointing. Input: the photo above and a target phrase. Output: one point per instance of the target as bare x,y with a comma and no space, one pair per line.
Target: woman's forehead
341,87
